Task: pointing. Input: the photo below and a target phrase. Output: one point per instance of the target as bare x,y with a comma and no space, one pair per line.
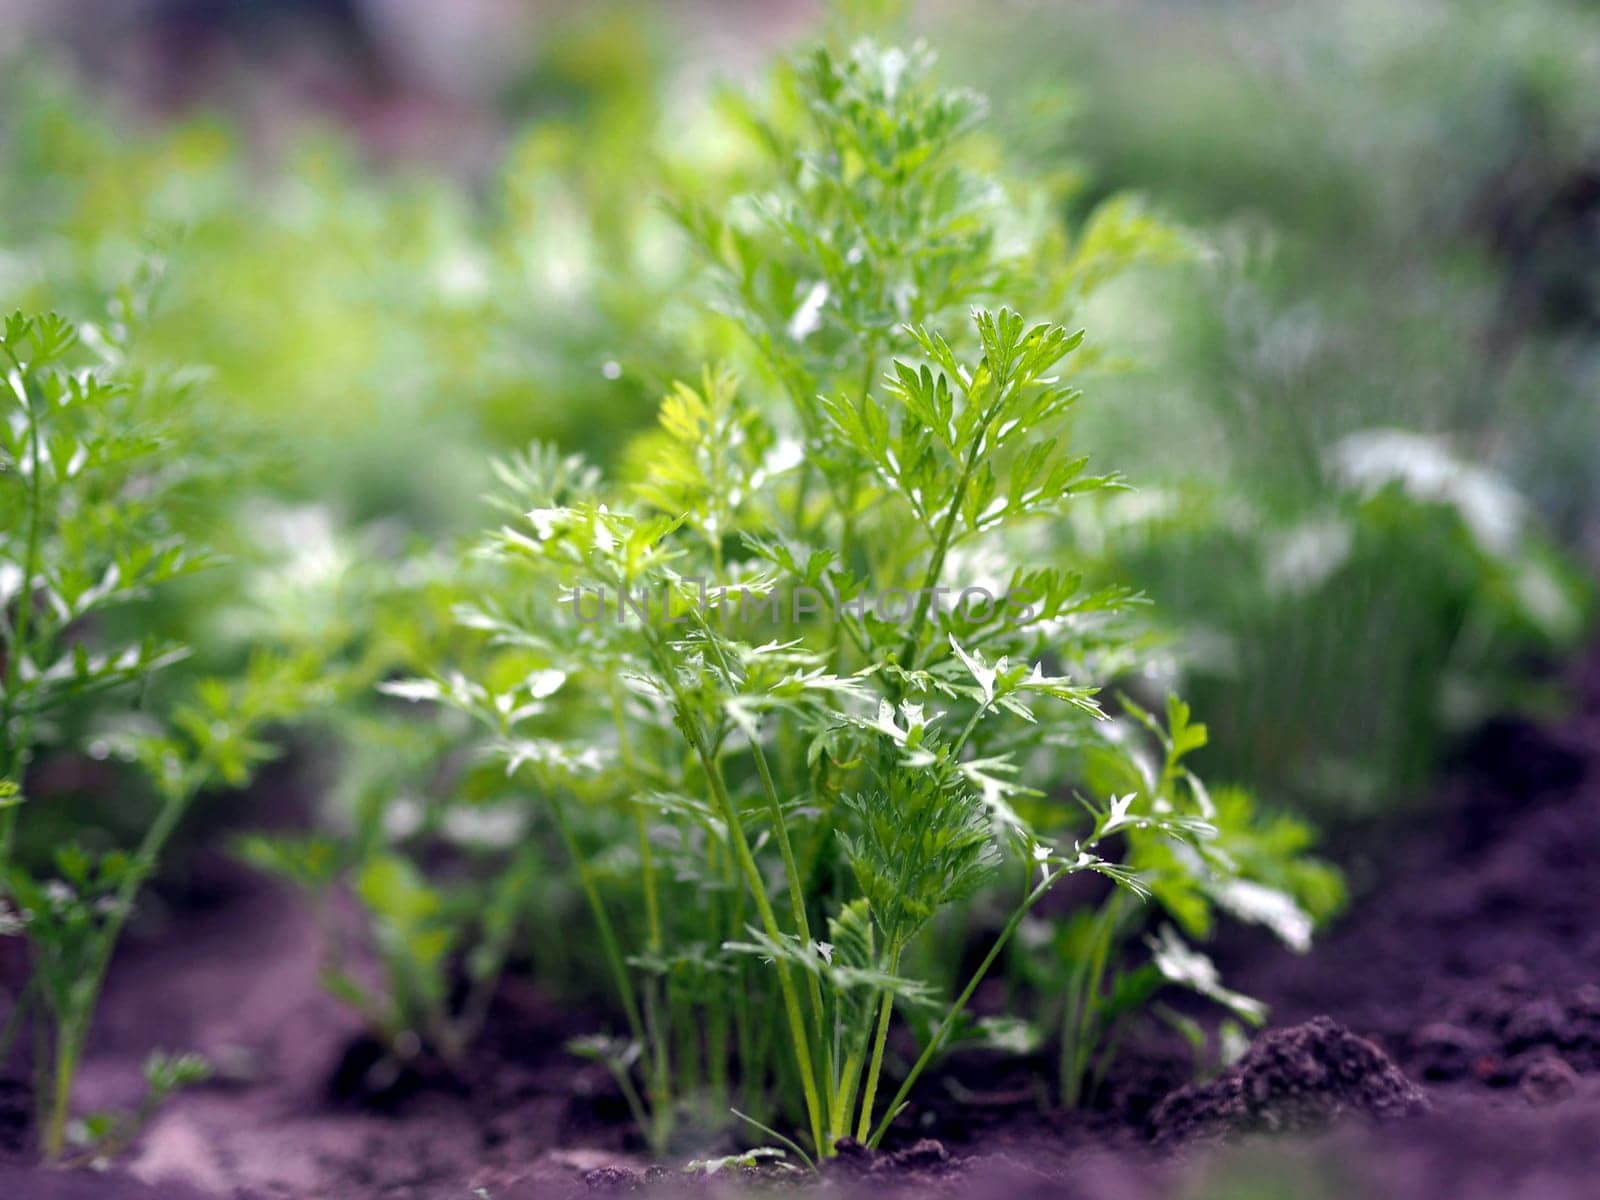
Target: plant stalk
940,1034
880,1040
608,934
752,873
942,545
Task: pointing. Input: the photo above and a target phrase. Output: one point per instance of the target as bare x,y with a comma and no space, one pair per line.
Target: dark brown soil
1455,1014
1305,1078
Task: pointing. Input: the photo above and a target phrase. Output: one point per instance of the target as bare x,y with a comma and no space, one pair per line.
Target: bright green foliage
361,617
751,675
98,461
784,809
370,322
1253,868
73,920
88,485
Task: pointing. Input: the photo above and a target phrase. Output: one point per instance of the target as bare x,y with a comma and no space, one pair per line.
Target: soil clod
1547,1080
1299,1079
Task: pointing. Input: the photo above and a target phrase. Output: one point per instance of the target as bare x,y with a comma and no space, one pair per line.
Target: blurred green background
1360,405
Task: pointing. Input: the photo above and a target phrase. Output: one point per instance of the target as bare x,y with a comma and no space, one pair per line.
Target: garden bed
1471,965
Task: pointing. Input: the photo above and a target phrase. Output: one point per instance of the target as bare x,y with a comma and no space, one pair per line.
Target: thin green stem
780,827
660,1044
650,1122
941,549
139,870
1077,1038
943,1032
780,830
608,934
652,902
967,730
68,1038
677,1005
802,493
769,920
751,1057
757,886
847,510
74,1025
630,1094
880,1040
850,1082
717,1026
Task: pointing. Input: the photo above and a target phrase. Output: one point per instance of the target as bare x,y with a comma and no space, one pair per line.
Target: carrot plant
84,528
1251,866
97,459
798,683
74,917
425,935
439,880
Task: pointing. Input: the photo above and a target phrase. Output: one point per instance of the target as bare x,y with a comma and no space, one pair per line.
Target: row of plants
797,699
409,318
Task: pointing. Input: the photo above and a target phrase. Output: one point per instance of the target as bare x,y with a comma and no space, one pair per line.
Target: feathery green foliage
97,460
759,673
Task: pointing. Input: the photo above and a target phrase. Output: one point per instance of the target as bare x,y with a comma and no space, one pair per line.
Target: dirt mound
925,1158
1478,957
1291,1080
